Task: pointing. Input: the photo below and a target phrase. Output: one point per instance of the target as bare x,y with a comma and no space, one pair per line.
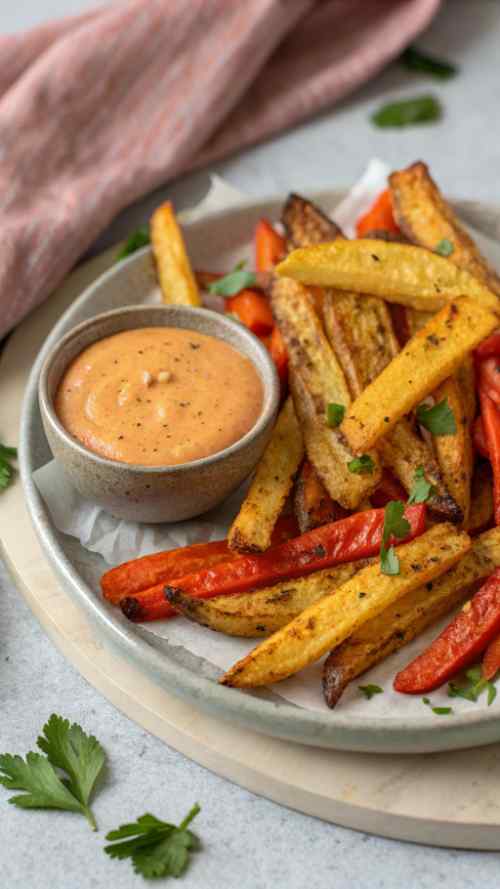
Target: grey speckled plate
211,242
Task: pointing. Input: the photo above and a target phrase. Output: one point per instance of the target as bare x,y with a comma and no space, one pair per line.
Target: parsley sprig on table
395,525
156,848
7,455
68,748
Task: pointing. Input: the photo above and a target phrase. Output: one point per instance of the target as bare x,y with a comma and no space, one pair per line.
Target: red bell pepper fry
253,310
270,247
140,574
138,587
490,347
356,537
378,217
460,643
489,377
491,659
388,489
479,439
491,424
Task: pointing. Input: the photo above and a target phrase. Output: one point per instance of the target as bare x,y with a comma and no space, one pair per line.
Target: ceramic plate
398,725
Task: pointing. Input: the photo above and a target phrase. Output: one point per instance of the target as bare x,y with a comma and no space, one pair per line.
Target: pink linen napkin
98,109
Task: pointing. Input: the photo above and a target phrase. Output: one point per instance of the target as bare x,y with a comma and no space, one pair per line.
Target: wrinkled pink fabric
98,109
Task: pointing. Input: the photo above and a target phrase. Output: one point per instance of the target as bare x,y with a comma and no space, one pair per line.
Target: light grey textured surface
249,842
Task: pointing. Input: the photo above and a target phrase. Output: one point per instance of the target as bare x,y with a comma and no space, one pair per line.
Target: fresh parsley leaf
395,525
416,60
79,755
233,283
444,247
6,469
439,711
361,465
389,562
139,238
156,848
422,489
334,414
68,748
474,688
439,420
422,109
370,690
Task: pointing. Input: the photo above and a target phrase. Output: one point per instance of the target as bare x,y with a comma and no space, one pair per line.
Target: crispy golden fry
326,623
481,507
416,319
308,348
399,273
253,526
454,452
360,331
426,218
431,356
322,382
403,451
177,281
312,503
328,453
306,224
409,616
264,611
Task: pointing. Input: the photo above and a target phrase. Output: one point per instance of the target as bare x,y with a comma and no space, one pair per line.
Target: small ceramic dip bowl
157,493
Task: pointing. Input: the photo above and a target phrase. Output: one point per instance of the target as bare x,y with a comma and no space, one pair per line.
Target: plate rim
279,719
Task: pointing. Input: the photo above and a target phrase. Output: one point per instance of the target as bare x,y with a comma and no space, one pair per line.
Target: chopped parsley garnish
439,711
334,414
361,465
439,420
6,469
444,247
156,848
234,282
422,109
67,748
474,688
422,489
135,241
416,60
395,525
370,691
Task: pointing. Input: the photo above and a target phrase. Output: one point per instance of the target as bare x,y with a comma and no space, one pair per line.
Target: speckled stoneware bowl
157,493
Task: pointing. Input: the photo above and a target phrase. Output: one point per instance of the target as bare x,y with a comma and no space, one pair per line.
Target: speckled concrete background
249,842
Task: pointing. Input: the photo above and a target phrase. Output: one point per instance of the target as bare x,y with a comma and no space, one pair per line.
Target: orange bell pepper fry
458,646
279,353
270,247
490,414
253,310
379,217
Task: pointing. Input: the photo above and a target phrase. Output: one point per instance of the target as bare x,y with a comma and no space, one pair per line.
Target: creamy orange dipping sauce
159,396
